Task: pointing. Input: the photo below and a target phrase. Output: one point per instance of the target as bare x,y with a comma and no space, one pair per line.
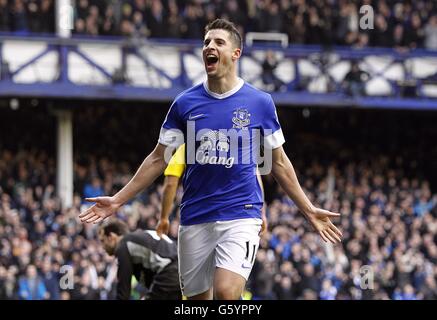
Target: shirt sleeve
270,127
172,129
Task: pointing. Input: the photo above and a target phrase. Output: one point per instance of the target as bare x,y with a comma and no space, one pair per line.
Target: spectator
85,289
4,16
309,279
431,33
284,290
379,35
328,292
92,21
94,189
407,294
272,82
192,28
429,288
19,16
273,18
415,33
108,27
4,295
156,20
127,28
296,31
47,16
308,294
140,28
314,31
34,20
8,288
424,205
50,279
354,81
79,27
31,287
82,9
263,277
174,21
347,23
233,13
362,41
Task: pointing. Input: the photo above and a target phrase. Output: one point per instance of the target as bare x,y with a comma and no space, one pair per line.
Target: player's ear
236,54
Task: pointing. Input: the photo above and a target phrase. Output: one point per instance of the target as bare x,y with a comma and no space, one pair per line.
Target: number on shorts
248,252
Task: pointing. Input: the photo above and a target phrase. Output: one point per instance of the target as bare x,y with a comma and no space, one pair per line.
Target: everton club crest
241,119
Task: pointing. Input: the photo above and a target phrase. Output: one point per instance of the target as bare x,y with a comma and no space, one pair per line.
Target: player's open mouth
211,60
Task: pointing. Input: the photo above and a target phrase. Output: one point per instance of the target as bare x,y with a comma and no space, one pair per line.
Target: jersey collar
239,85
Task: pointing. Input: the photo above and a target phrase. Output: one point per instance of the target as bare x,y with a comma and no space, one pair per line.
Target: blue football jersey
222,133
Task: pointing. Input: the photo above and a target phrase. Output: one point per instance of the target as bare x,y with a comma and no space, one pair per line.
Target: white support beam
64,18
64,174
329,249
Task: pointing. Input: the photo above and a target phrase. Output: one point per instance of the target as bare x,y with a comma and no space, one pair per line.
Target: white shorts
230,245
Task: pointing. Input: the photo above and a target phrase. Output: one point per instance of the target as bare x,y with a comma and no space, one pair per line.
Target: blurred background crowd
403,24
385,195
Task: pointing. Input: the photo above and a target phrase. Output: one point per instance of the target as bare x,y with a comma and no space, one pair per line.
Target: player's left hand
320,220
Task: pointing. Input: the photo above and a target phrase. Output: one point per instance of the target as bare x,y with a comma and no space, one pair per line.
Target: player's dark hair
116,226
228,26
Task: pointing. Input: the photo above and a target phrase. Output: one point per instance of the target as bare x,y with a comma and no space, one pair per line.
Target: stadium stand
398,23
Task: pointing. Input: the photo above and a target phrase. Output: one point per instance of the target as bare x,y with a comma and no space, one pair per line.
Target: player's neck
222,85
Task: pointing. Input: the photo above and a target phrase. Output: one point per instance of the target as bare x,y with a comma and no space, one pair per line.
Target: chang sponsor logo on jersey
228,147
213,149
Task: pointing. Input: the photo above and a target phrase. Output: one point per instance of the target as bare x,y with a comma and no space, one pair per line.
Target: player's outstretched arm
169,194
284,173
151,168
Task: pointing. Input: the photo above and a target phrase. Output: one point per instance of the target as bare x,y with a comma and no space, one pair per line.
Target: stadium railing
157,69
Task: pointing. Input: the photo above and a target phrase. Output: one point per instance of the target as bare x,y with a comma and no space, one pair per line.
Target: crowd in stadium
397,23
388,218
388,222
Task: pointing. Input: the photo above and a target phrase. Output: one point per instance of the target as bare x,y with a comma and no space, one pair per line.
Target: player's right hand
264,224
103,208
162,227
